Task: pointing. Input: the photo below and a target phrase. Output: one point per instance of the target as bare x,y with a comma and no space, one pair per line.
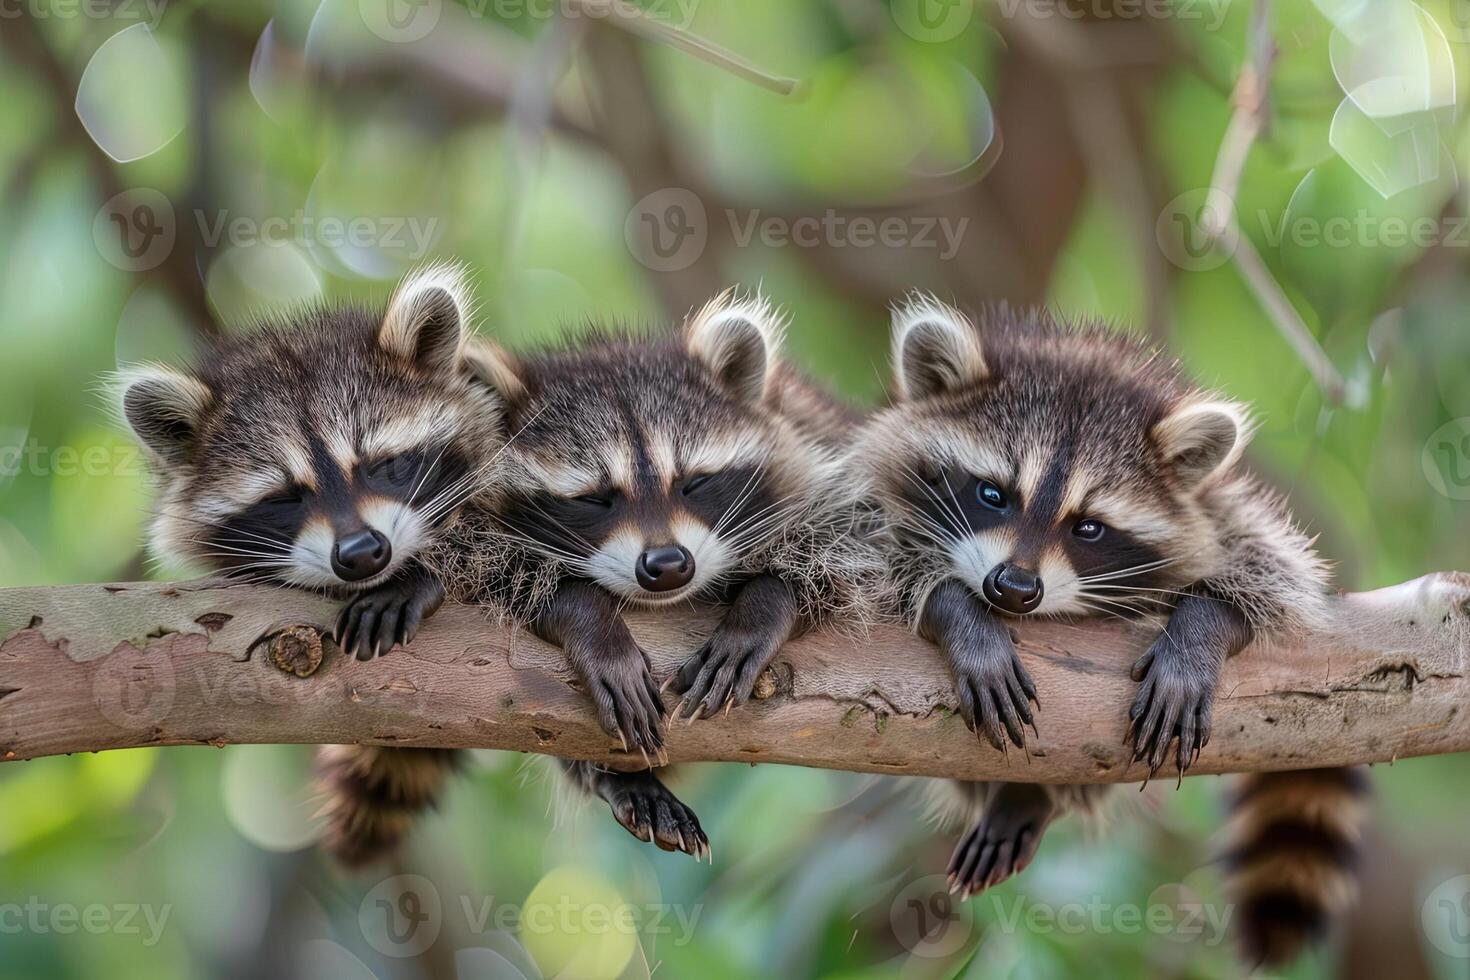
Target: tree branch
91,667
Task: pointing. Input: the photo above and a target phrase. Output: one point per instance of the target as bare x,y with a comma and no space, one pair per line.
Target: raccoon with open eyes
654,470
325,450
1031,468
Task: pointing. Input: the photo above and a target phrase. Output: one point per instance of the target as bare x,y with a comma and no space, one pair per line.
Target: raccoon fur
656,469
1031,468
325,450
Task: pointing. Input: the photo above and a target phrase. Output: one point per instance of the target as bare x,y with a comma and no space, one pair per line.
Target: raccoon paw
628,703
995,696
1174,701
722,673
1003,841
650,812
373,622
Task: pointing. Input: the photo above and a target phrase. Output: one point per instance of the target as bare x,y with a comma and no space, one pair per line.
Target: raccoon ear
427,317
935,348
737,339
1200,439
495,366
163,408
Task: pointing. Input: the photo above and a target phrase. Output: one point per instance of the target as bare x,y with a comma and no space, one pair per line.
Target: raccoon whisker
739,501
1102,610
957,519
1126,572
213,526
1135,588
540,547
422,477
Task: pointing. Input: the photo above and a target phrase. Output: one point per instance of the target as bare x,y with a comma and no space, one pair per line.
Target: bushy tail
1292,850
375,793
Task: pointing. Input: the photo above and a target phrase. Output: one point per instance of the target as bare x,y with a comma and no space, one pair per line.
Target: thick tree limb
92,667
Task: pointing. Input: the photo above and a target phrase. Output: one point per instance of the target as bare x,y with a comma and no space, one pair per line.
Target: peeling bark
92,667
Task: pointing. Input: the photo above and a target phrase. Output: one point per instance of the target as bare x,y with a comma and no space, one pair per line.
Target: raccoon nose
361,555
666,568
1013,588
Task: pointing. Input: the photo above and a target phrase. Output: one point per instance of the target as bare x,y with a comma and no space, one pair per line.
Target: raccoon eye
991,495
1089,529
695,483
394,472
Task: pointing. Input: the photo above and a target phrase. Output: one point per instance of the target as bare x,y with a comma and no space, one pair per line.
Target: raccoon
656,469
1032,468
325,450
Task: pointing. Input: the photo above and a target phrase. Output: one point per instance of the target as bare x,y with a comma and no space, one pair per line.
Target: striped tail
375,793
1292,849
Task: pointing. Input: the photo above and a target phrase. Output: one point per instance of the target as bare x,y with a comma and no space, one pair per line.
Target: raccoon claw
721,674
1000,845
375,621
628,705
1173,705
995,697
651,813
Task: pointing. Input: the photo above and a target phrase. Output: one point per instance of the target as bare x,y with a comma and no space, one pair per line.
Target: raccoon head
650,464
324,450
1054,470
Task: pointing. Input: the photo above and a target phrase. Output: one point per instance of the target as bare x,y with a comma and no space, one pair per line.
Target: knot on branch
297,650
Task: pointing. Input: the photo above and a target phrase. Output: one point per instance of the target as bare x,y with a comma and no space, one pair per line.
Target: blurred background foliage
171,169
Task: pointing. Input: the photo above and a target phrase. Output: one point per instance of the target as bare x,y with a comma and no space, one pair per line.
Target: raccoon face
648,465
322,452
1057,474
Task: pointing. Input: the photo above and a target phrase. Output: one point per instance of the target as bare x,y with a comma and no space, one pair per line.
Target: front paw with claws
375,621
627,700
995,694
723,672
1173,704
650,812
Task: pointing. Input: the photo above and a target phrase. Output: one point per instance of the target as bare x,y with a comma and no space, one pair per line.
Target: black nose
1013,589
361,554
666,568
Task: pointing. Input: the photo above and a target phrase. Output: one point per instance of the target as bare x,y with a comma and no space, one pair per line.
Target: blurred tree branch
89,667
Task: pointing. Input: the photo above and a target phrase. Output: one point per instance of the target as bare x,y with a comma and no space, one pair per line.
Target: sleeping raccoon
325,451
655,470
1028,468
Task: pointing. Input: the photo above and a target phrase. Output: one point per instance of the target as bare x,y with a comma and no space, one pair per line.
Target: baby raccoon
325,450
1028,468
655,470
